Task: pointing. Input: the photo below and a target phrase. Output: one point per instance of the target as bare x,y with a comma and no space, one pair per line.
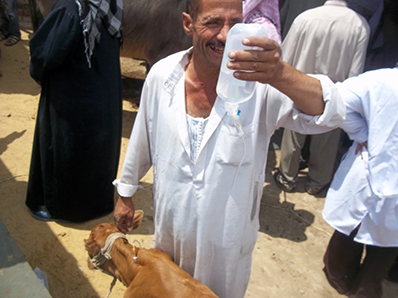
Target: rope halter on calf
105,253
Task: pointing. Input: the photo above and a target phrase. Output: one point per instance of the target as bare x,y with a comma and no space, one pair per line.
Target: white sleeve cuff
126,190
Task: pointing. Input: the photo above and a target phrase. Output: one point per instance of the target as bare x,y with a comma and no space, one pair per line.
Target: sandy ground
287,260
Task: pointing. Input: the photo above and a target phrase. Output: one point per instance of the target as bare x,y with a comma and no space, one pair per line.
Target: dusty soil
287,260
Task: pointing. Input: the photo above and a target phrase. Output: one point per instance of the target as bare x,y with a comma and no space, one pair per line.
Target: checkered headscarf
109,11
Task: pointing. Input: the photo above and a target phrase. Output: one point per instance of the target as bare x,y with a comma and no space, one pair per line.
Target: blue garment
9,18
372,10
3,17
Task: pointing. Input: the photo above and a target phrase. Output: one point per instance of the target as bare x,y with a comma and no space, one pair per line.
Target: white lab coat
206,220
364,189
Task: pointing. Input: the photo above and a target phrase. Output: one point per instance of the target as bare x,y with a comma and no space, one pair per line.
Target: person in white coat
362,201
330,39
208,179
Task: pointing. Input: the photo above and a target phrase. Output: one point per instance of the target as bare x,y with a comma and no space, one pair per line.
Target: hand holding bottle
256,65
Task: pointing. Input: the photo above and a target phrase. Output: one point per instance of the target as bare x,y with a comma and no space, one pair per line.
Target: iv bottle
229,88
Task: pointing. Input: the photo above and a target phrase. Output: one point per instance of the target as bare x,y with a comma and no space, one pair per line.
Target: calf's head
100,233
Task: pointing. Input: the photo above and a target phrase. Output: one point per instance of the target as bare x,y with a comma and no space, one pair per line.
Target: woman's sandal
2,37
12,40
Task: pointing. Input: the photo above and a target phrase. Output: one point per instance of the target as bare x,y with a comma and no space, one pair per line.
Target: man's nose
222,35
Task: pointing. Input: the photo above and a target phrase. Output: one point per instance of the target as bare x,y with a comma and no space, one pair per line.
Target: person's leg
323,152
342,261
291,145
13,25
305,153
393,273
374,269
3,20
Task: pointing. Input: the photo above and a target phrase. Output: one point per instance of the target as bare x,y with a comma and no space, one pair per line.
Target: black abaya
78,128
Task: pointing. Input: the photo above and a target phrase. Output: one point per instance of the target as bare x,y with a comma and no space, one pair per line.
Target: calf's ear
92,247
137,220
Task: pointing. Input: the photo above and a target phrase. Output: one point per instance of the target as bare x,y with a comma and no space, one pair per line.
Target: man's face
209,31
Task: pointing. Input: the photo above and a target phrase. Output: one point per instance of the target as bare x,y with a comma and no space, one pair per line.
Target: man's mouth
218,48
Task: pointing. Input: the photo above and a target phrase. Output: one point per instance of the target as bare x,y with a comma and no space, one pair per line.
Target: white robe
365,190
205,218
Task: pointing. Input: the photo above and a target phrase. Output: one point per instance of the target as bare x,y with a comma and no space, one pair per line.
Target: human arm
126,217
136,164
124,214
54,42
266,67
360,148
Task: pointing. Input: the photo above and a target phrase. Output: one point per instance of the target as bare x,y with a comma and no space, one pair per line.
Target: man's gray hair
193,8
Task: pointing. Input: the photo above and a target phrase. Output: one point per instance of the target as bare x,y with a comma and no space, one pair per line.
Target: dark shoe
393,274
303,164
313,190
11,40
43,215
282,183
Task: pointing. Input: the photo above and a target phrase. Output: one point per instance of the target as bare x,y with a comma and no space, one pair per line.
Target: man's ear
187,23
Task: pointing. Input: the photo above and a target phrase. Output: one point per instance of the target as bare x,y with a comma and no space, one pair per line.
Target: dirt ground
287,260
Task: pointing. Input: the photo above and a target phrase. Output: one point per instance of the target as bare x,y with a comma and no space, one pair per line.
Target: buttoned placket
199,165
172,85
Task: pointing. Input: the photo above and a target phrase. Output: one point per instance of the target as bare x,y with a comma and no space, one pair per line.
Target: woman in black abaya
78,128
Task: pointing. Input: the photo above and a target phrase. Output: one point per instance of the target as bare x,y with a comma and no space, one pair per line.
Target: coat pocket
232,149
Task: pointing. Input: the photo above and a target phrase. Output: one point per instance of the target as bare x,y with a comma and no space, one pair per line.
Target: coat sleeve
54,42
291,117
138,159
355,124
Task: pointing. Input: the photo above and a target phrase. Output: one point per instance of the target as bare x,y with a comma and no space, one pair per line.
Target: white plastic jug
229,88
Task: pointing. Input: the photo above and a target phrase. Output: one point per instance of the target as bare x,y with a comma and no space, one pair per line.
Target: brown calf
145,272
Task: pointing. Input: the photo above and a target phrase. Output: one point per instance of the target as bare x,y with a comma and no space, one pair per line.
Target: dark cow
152,29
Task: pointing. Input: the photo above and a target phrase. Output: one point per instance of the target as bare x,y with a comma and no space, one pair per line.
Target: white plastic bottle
229,88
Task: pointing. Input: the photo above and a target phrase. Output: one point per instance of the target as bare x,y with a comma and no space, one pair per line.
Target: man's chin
216,61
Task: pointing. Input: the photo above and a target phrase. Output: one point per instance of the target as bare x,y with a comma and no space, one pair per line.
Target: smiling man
208,180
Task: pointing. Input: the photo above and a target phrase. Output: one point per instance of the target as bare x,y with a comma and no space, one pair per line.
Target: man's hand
360,147
262,65
265,66
124,214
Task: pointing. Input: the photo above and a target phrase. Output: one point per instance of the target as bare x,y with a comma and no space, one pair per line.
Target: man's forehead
221,4
221,9
218,17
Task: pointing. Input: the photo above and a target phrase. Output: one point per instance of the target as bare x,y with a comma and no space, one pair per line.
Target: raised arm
268,68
